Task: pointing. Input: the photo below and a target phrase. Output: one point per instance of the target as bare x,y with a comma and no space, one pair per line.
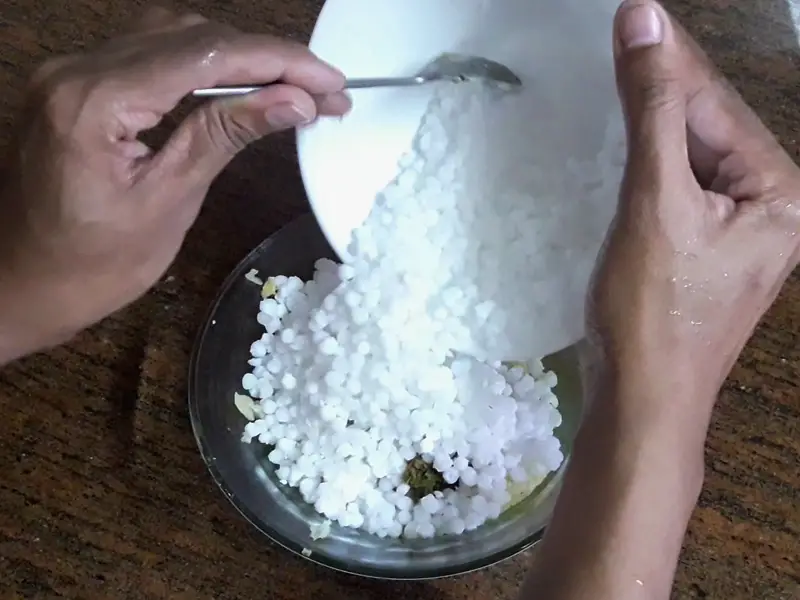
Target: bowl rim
318,557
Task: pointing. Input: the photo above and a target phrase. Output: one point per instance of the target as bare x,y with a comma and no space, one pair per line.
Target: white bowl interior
561,49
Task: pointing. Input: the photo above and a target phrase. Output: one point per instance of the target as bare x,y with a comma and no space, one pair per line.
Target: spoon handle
350,84
376,82
226,90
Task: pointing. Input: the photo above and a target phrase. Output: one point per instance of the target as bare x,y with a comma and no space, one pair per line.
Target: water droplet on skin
210,58
696,323
675,313
725,275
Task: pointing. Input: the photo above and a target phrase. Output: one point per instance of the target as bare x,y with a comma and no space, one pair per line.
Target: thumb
213,134
649,80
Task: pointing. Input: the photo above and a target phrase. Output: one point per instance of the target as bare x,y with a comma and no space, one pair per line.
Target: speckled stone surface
103,493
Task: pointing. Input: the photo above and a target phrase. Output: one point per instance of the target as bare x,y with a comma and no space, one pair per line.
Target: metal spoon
447,67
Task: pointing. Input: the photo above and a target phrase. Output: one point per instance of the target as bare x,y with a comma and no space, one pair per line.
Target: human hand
705,233
90,217
703,239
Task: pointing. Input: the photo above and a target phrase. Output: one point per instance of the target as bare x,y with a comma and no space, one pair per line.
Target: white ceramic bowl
560,48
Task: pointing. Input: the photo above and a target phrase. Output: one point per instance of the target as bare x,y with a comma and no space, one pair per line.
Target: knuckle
289,44
772,209
55,95
214,40
189,20
657,93
158,15
163,18
48,70
780,212
61,98
216,36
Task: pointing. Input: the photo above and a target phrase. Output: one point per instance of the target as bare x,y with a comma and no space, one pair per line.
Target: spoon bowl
462,67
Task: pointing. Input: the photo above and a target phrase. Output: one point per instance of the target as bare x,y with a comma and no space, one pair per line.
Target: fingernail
639,25
286,115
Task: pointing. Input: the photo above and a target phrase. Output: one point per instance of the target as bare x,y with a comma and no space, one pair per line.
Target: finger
51,68
161,19
212,54
154,18
337,104
649,75
721,207
720,124
213,134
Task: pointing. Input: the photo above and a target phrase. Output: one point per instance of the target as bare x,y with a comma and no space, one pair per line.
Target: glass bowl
247,478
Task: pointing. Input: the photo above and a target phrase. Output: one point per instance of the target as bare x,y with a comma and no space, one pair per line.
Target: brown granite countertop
103,493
